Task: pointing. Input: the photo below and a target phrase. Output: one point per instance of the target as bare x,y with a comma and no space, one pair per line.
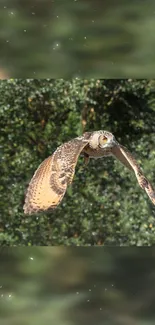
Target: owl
50,181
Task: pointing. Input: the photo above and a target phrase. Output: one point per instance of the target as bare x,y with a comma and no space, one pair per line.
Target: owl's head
106,139
102,139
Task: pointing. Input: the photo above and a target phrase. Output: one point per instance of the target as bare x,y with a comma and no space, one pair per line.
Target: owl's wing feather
122,154
50,181
116,151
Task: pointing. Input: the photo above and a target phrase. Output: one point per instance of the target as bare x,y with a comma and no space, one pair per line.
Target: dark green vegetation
86,38
72,286
104,205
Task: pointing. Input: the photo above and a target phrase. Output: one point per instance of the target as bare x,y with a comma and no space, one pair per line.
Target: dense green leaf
104,205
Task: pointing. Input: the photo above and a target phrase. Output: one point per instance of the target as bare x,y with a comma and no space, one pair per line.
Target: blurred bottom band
77,285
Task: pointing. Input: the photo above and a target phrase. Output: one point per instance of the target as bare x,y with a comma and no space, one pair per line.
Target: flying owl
50,181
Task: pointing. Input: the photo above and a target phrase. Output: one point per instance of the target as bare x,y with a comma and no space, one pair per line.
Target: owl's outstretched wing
50,181
122,154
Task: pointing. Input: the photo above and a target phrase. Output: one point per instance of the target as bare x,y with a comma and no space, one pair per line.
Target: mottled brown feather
127,159
52,177
119,155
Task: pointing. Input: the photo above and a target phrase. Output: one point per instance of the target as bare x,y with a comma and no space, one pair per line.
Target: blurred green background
104,205
95,38
72,286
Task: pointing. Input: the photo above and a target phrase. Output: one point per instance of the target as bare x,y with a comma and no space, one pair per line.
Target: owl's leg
86,159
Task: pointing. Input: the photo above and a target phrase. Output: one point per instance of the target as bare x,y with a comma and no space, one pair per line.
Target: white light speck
77,293
25,30
89,289
88,300
85,37
56,46
57,16
92,21
33,13
7,41
31,258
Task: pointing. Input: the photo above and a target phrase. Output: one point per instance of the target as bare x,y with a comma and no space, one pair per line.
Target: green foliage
104,205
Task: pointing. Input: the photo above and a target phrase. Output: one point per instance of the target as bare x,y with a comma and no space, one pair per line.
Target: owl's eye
103,139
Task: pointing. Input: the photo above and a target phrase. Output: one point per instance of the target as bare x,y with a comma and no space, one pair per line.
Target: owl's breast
97,153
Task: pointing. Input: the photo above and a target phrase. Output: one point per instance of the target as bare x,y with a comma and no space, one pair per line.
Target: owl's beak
114,143
110,144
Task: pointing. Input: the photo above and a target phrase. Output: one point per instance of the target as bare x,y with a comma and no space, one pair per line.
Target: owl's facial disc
103,140
106,140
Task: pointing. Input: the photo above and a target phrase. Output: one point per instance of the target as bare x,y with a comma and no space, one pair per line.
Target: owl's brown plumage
52,177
